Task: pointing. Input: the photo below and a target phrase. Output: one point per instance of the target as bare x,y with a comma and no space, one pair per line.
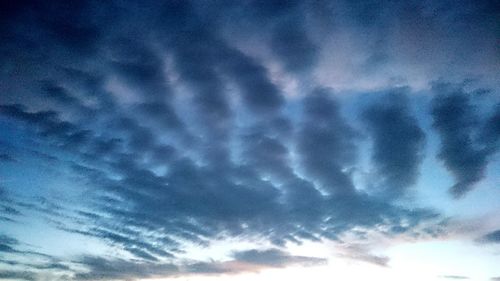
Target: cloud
464,153
243,261
118,269
490,134
459,277
274,258
362,253
172,120
20,275
9,209
326,143
398,142
492,237
290,43
7,243
11,245
14,254
7,158
253,261
214,203
59,95
259,92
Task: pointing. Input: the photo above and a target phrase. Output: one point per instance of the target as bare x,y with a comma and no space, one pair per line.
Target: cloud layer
183,123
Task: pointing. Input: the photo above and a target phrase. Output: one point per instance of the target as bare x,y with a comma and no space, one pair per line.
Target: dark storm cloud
466,144
397,142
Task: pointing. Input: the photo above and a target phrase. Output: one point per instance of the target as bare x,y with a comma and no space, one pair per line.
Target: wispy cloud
242,261
457,277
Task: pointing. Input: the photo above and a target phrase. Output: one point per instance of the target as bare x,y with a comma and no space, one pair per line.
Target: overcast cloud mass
138,136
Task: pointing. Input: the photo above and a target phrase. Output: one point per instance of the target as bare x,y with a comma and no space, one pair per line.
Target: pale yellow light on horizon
429,261
336,270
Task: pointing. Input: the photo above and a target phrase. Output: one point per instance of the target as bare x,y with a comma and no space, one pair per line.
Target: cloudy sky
250,140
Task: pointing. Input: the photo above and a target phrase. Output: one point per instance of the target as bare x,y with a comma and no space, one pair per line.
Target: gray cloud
260,210
397,142
180,131
7,158
274,258
99,268
13,254
456,277
291,44
490,134
492,237
463,151
118,269
19,275
326,143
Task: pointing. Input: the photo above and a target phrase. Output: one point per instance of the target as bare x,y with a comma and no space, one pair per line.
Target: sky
250,140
